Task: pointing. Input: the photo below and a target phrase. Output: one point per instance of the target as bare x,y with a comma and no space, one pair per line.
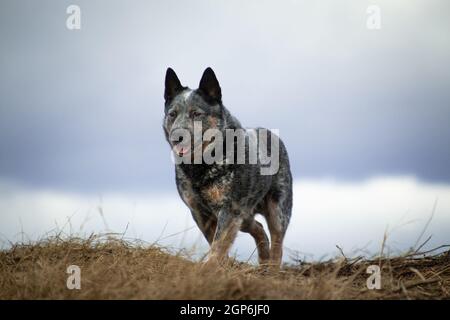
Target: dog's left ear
209,87
172,85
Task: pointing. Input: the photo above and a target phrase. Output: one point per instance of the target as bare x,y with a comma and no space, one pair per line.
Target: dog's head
186,109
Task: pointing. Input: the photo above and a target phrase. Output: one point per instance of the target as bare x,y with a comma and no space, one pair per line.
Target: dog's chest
211,190
216,193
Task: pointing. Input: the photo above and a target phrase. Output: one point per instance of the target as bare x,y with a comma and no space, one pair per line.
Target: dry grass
116,269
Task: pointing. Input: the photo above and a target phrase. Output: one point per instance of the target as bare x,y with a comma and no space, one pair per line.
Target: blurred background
364,113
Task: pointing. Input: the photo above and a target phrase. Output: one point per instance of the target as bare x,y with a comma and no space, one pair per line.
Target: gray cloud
82,109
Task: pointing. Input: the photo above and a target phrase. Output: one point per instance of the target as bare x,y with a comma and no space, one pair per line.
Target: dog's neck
205,173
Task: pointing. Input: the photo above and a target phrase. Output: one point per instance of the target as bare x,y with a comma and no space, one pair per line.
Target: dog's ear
173,85
209,87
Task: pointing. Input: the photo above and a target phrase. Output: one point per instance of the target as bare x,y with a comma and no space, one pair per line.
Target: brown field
112,268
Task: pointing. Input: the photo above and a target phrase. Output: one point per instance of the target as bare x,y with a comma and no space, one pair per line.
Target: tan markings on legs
276,249
223,241
210,230
276,233
256,230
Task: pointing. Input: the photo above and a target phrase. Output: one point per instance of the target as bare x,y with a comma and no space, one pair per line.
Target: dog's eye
172,114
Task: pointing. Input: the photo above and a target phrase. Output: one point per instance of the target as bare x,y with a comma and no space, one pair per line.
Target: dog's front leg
228,224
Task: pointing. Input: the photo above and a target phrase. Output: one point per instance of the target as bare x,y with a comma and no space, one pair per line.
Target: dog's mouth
181,149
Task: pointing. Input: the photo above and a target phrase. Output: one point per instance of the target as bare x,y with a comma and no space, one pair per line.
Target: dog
224,196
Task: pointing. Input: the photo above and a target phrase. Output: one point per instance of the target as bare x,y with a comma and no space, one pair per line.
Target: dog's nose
179,134
178,139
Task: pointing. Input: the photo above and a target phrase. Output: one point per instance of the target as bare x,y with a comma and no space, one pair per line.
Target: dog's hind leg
256,230
277,215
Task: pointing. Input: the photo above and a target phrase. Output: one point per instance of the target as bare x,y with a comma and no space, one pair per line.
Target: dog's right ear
209,87
173,85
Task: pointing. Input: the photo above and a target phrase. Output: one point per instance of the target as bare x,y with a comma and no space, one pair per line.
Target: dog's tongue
181,149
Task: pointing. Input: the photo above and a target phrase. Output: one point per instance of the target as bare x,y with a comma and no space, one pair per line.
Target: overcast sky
81,110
